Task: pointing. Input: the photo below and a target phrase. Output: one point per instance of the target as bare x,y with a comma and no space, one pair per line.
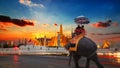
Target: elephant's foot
79,67
100,66
87,67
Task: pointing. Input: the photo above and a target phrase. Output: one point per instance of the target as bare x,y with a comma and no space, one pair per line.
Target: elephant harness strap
76,40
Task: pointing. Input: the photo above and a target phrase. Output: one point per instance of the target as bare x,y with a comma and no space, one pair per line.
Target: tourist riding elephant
87,48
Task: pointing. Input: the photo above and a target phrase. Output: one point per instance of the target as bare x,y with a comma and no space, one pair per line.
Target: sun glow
38,35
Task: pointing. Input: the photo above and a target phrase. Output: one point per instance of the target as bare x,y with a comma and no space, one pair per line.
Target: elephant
86,48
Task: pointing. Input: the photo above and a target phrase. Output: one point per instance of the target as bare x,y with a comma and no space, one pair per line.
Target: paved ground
36,61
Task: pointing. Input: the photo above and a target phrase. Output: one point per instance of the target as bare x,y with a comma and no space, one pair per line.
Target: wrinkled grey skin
87,48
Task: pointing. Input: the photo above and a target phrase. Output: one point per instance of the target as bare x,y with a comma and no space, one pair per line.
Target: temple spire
61,31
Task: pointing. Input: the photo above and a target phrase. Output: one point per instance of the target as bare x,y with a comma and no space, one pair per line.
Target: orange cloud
3,29
101,24
45,25
55,24
3,26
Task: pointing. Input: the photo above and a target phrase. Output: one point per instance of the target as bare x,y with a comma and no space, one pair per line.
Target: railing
33,51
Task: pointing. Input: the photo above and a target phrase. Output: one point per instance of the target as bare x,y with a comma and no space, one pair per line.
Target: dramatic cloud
5,18
18,22
101,24
22,22
30,3
104,24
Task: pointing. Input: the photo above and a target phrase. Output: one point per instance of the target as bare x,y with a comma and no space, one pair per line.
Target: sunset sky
36,18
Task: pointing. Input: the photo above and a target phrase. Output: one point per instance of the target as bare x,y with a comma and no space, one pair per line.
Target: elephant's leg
95,59
87,63
76,60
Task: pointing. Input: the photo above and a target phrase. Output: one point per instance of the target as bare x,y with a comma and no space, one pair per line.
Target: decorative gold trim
75,48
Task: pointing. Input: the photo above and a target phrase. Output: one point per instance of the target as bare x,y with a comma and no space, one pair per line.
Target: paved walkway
36,61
